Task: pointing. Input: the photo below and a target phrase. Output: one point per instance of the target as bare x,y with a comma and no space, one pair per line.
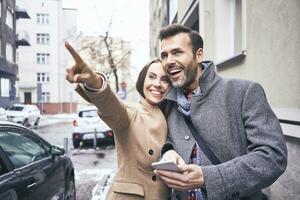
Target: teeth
175,70
155,92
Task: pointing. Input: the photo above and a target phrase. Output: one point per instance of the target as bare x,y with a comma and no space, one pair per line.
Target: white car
27,115
3,115
88,126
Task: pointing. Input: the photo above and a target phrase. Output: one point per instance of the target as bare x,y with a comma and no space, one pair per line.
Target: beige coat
139,131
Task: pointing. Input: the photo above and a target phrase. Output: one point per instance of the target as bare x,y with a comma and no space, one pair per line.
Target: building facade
254,40
42,65
8,44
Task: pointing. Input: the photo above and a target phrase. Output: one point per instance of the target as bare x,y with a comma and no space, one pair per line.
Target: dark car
89,129
31,168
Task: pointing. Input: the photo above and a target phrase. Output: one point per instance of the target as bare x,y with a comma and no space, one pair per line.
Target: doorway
27,97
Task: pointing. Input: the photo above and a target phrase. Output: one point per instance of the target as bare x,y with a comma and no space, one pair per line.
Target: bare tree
110,54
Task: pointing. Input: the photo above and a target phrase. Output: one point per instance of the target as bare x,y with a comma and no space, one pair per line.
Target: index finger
74,53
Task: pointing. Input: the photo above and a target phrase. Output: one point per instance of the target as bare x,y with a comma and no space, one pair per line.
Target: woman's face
156,84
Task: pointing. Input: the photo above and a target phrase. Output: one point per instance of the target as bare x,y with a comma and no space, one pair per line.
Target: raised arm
110,108
81,72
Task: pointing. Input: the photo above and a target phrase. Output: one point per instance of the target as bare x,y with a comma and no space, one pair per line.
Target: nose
157,83
170,60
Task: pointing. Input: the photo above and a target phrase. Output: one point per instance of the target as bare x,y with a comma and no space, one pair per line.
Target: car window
3,169
20,148
17,108
88,113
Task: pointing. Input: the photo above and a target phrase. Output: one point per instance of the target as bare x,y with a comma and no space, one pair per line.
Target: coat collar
206,82
146,106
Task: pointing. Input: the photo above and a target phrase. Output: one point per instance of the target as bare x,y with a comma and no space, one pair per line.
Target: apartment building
42,65
9,41
254,40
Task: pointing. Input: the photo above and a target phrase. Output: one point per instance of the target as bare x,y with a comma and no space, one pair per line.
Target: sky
130,21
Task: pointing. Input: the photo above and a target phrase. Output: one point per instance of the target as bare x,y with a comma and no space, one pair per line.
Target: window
173,7
42,18
9,52
46,96
21,148
0,8
42,58
43,77
5,87
230,25
42,38
9,18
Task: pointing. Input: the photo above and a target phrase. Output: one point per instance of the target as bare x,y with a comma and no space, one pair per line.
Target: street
92,166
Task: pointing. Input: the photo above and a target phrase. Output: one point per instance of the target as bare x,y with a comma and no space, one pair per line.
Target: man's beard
188,79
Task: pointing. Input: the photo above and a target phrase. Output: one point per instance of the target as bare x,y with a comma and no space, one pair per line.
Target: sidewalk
47,120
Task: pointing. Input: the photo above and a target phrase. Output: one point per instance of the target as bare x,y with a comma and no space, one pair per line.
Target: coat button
186,137
154,178
150,152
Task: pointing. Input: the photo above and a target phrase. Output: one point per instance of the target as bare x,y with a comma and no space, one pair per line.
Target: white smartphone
165,165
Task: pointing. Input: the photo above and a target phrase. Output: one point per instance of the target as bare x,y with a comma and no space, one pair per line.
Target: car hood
16,113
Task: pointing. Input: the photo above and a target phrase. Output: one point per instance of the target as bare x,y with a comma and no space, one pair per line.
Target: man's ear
199,55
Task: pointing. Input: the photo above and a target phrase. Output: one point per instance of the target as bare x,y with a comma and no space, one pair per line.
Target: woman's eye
165,79
151,77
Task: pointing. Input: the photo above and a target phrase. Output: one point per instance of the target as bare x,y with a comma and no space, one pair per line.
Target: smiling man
242,149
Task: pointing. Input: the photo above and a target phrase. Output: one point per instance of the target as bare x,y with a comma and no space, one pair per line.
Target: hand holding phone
166,165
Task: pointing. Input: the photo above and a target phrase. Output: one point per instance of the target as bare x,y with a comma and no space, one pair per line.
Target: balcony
22,39
21,13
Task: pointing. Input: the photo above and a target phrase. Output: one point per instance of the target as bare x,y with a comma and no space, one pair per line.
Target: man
232,116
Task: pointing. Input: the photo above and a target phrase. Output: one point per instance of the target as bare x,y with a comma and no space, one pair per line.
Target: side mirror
56,151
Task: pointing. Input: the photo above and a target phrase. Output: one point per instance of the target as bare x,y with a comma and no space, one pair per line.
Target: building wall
61,27
272,57
8,67
159,18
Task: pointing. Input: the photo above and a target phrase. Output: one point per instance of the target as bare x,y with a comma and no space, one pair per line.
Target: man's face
179,62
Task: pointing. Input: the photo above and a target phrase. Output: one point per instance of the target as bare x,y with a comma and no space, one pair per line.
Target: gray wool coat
237,123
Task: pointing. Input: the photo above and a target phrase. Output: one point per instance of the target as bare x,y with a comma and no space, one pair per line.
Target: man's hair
174,29
142,75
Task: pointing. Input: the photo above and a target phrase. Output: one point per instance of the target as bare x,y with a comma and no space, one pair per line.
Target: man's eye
163,56
177,53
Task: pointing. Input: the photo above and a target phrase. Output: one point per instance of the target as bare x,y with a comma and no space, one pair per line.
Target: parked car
31,168
27,115
3,115
87,126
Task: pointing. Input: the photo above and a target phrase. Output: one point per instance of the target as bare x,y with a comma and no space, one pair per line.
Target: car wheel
36,123
26,123
76,144
70,190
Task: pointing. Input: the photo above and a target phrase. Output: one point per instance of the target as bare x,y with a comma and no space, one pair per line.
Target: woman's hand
81,72
172,155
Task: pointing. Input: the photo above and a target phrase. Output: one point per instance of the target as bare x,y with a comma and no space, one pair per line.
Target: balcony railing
22,39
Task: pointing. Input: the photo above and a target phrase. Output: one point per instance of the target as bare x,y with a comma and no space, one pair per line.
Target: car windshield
88,113
17,108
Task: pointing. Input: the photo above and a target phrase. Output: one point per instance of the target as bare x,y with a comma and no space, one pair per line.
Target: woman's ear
199,55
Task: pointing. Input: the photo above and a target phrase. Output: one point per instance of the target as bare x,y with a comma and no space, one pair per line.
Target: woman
139,131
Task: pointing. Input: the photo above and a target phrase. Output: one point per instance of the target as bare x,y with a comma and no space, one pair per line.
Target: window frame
43,18
43,58
9,12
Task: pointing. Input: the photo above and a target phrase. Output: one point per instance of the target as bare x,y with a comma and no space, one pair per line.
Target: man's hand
191,178
81,72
